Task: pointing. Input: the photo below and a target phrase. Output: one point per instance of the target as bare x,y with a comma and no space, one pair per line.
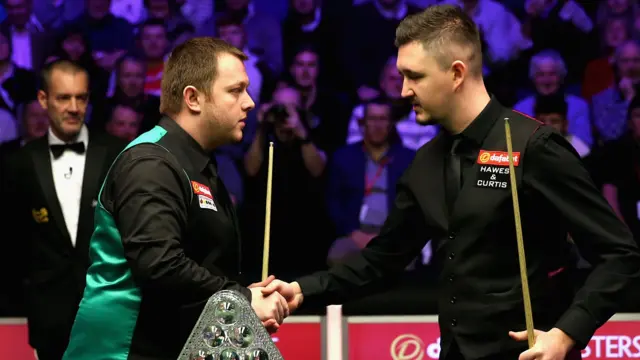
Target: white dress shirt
68,171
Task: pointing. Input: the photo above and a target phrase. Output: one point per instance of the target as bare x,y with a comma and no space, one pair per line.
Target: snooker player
457,192
166,236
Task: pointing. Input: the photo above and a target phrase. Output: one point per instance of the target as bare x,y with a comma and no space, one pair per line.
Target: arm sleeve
150,207
401,239
558,175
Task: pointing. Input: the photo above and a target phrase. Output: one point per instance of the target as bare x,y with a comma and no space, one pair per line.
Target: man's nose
73,106
406,91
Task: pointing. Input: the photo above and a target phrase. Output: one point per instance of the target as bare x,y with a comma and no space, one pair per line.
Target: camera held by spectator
283,119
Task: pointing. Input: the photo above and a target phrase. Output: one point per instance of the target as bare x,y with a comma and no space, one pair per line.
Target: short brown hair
193,63
63,65
441,28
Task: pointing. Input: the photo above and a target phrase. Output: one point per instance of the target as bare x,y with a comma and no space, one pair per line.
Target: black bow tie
59,149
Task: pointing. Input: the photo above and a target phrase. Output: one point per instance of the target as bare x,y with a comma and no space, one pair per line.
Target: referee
457,192
166,236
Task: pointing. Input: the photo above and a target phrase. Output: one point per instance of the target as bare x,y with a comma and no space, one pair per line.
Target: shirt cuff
579,325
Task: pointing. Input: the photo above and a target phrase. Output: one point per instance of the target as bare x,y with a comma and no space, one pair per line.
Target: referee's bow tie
58,149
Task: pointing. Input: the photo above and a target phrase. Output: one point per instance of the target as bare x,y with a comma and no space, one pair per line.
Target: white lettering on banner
612,347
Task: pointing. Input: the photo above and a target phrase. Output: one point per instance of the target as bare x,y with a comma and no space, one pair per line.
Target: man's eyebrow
239,83
407,72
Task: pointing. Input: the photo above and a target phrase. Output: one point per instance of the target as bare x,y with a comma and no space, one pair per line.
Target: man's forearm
254,157
314,159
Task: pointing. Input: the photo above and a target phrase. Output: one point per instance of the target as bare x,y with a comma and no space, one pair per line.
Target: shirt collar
83,137
198,156
479,128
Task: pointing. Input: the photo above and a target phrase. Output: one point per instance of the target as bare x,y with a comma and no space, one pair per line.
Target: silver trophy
229,329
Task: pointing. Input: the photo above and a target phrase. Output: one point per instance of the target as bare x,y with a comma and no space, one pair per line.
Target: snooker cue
528,313
267,217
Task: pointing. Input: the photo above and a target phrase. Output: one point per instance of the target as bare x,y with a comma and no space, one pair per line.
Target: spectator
362,179
599,74
261,78
34,124
368,41
129,91
619,171
30,42
55,14
167,12
610,106
298,212
552,109
608,8
563,26
264,36
412,134
17,85
110,37
155,45
547,72
307,23
124,123
326,111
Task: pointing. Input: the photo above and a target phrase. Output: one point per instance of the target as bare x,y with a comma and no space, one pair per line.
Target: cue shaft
267,217
528,312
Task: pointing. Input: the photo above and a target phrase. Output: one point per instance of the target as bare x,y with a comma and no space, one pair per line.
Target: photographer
290,127
299,221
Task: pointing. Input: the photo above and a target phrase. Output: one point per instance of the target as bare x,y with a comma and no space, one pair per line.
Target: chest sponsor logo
206,202
493,177
200,189
498,158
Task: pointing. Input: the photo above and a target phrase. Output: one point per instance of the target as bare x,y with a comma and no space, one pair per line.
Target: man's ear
459,71
191,97
42,99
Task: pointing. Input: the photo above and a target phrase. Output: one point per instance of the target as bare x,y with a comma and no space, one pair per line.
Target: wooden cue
267,217
528,313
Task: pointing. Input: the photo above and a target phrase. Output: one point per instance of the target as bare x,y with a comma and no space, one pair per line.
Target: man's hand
263,109
551,345
627,88
290,291
271,309
294,122
262,283
361,238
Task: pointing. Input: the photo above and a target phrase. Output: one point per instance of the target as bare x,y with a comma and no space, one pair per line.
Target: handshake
273,300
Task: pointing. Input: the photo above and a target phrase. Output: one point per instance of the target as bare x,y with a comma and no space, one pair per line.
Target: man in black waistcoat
457,192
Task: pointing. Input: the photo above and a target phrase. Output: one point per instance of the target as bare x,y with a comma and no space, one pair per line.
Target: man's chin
237,136
424,119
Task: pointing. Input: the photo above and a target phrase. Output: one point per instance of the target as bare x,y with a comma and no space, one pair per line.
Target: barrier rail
369,337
